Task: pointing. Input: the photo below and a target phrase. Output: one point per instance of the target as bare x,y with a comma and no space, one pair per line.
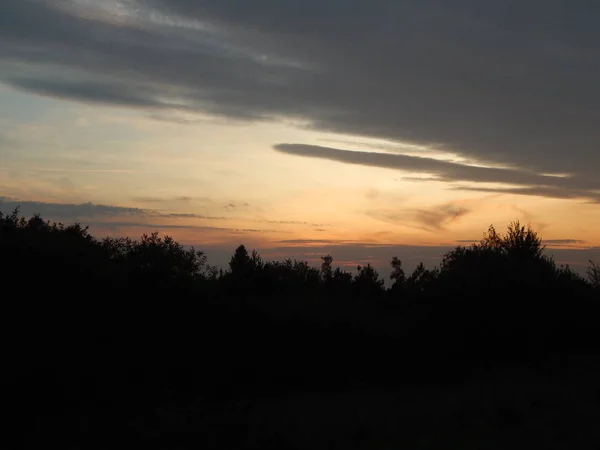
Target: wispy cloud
125,225
172,199
297,222
316,241
191,216
68,211
90,211
533,183
590,195
434,219
113,217
437,219
236,206
58,169
564,241
553,243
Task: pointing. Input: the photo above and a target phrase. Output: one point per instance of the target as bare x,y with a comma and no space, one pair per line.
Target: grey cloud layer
77,211
508,82
533,183
67,211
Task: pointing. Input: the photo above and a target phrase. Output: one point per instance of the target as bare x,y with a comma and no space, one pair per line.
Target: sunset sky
364,129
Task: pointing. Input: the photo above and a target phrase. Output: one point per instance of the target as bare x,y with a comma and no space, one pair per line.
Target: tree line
117,321
515,260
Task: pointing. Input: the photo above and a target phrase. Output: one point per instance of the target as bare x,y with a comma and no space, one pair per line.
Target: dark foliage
113,327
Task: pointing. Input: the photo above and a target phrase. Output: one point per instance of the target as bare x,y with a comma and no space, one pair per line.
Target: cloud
91,91
122,225
593,195
564,241
67,211
315,241
513,83
192,216
296,222
169,200
236,206
89,211
533,183
432,220
436,220
120,218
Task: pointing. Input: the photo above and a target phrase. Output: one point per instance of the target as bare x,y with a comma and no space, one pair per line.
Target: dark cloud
87,91
115,218
121,225
174,118
436,220
315,241
296,222
450,171
562,242
112,217
72,212
237,206
158,226
507,82
535,184
592,195
67,211
433,220
192,216
167,200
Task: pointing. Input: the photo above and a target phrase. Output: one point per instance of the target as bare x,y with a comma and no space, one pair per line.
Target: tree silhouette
593,273
158,261
367,281
326,267
421,279
397,275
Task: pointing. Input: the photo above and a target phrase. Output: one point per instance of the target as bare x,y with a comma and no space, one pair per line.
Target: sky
360,129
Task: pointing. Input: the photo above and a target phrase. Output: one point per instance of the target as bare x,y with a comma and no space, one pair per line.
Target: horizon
348,255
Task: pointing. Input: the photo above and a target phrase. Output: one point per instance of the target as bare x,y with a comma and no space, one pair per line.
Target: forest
101,333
